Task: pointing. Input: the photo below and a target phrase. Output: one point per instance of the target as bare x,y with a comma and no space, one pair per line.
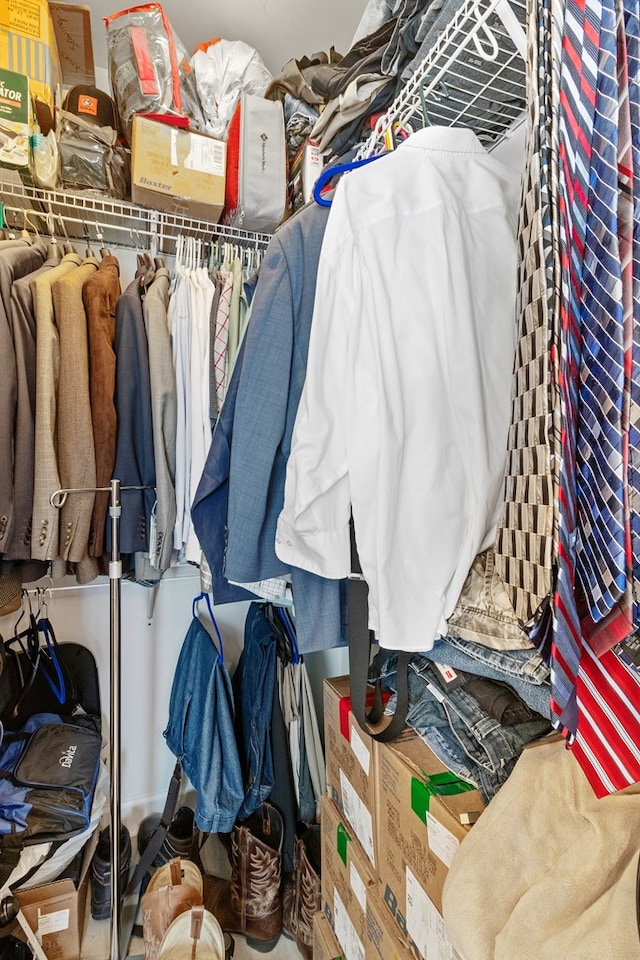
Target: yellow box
177,170
28,46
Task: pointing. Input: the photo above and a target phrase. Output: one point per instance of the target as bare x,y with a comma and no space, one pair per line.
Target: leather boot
304,899
251,902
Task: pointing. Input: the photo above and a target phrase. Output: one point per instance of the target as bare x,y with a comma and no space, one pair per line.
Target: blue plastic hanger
194,610
336,171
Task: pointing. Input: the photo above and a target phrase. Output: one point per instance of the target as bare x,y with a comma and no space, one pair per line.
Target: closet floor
97,933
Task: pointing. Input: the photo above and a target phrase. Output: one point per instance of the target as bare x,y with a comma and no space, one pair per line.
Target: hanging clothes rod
119,220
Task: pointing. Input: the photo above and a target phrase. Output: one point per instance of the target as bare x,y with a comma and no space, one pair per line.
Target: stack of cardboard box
392,820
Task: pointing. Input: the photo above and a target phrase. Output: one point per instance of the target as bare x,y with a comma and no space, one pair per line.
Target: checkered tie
578,84
600,562
524,538
606,558
632,29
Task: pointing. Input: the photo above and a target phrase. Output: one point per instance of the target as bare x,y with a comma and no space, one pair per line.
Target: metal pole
115,576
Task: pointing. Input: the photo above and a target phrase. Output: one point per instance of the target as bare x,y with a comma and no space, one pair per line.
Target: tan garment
76,451
45,521
484,612
549,871
99,295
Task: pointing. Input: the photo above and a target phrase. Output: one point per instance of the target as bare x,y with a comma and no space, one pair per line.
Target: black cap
93,105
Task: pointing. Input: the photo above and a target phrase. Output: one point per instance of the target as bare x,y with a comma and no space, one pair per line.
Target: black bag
49,745
48,774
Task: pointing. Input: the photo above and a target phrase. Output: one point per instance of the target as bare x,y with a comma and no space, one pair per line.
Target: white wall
278,29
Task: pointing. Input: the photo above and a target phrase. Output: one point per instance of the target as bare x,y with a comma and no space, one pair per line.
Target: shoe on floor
101,872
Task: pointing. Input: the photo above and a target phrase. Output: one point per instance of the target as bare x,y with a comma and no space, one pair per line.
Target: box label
345,931
443,843
206,156
425,925
358,816
52,922
358,887
359,748
22,16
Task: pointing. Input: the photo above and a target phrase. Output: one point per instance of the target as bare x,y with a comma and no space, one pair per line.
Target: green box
14,119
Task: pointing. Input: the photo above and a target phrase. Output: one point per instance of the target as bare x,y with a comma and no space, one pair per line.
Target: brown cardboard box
176,170
346,875
383,941
424,813
56,911
350,764
325,945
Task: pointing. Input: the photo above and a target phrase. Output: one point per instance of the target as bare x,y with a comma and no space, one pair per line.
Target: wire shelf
116,223
473,76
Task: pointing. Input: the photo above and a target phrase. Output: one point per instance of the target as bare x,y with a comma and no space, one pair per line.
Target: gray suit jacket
23,328
76,455
163,411
15,262
46,519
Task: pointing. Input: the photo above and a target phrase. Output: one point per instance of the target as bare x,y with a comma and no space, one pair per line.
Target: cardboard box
28,45
15,125
55,911
350,764
346,876
424,813
384,940
325,945
176,170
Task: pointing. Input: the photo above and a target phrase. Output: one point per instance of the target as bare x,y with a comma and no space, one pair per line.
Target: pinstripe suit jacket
163,412
45,518
76,453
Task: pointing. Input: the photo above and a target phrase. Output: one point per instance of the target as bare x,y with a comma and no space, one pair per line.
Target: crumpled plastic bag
223,69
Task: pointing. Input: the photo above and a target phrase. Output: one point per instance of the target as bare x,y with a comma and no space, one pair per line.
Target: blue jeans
200,731
254,684
524,670
469,742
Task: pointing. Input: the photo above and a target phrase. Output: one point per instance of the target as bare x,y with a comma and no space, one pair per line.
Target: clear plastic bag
149,67
91,157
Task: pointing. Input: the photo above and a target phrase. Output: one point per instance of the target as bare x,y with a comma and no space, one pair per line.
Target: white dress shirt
405,410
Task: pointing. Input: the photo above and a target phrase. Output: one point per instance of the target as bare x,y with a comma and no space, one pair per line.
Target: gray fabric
375,14
23,327
164,405
15,262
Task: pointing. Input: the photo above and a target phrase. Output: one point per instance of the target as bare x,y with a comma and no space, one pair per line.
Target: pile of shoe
183,911
253,901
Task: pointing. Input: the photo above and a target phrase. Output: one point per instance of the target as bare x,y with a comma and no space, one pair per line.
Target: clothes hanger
104,251
330,173
54,251
68,246
194,610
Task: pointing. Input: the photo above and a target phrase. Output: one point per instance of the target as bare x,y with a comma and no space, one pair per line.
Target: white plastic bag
224,69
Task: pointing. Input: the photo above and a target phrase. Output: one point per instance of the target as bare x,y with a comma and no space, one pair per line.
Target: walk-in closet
319,508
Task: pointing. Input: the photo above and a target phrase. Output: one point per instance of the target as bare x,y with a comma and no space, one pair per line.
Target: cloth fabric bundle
548,871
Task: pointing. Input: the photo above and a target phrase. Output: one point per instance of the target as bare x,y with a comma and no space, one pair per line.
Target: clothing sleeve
313,527
259,422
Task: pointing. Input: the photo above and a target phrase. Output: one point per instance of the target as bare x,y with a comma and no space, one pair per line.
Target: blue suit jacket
268,392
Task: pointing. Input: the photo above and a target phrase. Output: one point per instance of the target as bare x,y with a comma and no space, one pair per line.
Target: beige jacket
45,520
76,452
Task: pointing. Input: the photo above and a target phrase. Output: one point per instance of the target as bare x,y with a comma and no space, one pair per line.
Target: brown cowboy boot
304,899
251,902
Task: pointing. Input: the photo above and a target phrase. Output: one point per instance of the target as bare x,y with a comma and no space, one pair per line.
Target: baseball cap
93,105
